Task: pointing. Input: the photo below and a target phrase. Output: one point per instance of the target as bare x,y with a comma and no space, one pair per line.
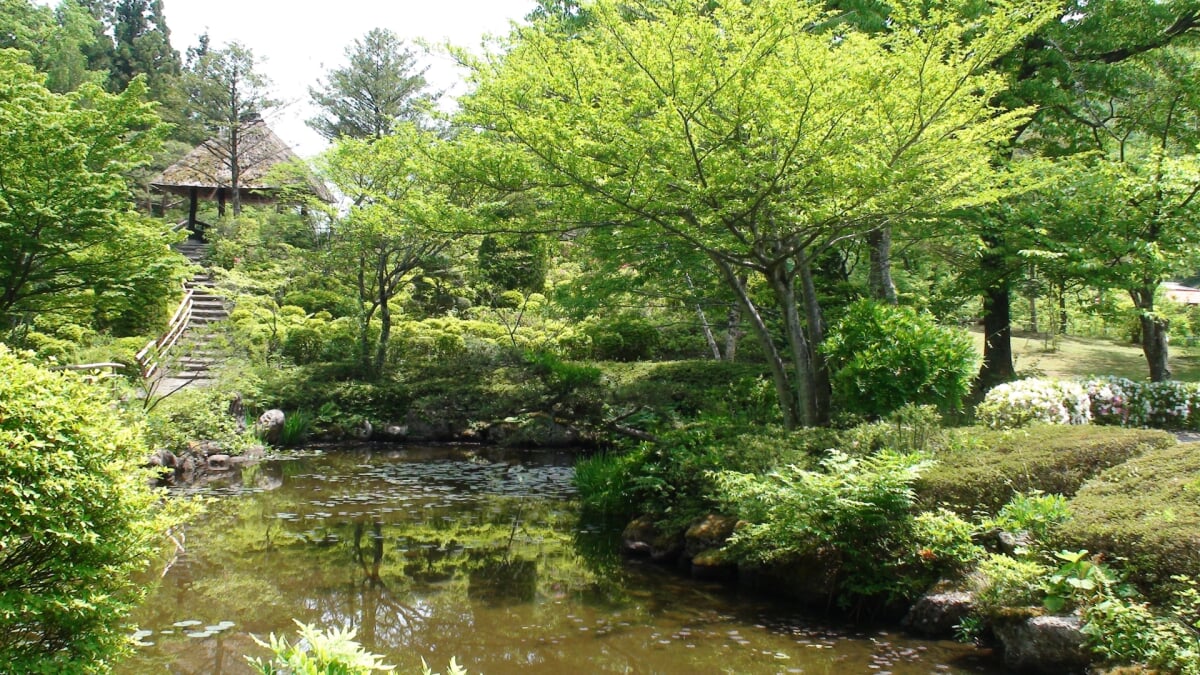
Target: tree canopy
380,84
68,232
743,134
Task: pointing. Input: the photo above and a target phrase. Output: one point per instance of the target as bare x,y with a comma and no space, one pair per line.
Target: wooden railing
96,369
151,356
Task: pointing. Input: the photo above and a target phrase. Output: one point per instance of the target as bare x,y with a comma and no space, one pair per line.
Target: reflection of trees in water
406,573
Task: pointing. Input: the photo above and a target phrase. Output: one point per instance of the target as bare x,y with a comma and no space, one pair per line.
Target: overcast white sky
299,40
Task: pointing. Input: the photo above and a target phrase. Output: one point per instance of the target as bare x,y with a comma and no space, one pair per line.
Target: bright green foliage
1144,512
747,140
1002,582
58,41
70,241
1078,581
388,237
197,414
1122,631
318,652
1035,513
856,516
79,521
883,357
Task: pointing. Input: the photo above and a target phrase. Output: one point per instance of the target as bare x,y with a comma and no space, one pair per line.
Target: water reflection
474,553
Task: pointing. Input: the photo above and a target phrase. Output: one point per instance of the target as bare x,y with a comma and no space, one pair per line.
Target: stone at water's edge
937,614
708,532
362,432
713,565
1044,644
270,425
643,537
218,463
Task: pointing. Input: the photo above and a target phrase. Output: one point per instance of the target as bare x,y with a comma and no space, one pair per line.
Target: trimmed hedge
979,470
1145,515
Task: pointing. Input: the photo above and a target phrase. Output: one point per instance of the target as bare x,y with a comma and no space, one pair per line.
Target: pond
475,553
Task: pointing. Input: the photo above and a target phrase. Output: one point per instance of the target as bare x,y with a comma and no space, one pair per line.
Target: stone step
201,376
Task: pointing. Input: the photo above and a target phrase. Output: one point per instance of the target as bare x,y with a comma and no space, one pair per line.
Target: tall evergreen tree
380,84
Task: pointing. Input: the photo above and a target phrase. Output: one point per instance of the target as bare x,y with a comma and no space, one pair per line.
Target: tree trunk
783,284
235,169
822,391
1062,309
704,325
733,329
880,278
997,365
385,318
1154,332
779,376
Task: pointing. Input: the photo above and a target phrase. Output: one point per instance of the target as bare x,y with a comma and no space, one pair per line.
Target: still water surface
475,553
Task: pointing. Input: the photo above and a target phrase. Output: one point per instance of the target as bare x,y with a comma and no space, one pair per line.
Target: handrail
111,365
90,366
150,357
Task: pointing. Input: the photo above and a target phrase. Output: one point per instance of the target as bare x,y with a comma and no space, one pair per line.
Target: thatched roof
206,167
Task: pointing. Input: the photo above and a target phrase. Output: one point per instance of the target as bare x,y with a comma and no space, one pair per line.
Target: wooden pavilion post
193,197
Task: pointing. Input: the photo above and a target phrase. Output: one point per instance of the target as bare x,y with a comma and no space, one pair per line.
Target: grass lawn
1077,357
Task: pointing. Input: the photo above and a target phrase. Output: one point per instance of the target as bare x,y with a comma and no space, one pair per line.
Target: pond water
474,553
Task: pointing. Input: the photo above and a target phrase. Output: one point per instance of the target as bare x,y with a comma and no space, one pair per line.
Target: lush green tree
58,41
1124,215
1054,70
143,46
389,233
739,133
79,521
380,84
69,237
227,93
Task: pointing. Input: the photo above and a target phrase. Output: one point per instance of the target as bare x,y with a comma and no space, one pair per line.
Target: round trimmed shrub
884,357
79,520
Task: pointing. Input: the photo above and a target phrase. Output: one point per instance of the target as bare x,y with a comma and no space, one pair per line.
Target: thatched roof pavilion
205,172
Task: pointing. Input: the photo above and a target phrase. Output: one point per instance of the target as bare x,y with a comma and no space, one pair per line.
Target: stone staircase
196,355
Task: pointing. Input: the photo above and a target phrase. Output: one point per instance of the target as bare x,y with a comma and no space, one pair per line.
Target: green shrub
78,521
1002,582
674,480
197,414
883,357
856,515
980,470
604,484
1035,513
627,337
1123,631
689,389
1145,514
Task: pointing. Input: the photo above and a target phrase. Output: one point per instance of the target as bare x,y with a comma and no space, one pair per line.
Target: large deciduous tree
69,236
227,93
1055,70
739,132
380,84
